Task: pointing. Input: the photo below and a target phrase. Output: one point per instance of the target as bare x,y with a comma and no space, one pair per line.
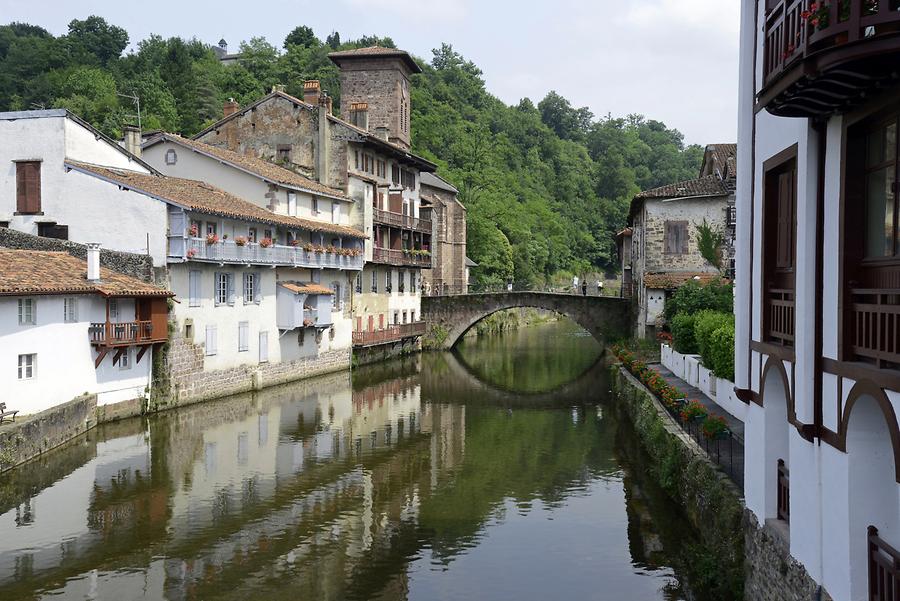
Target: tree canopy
546,186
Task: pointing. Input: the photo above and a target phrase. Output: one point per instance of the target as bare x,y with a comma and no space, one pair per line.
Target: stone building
817,319
365,154
662,230
449,270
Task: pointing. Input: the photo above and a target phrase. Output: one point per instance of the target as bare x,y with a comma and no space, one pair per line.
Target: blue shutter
230,279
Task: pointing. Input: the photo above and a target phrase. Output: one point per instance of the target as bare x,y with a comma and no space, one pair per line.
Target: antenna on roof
40,106
137,103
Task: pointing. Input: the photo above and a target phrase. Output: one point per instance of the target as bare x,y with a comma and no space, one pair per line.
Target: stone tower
376,80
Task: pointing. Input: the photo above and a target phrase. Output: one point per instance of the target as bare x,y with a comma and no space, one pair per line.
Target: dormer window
171,156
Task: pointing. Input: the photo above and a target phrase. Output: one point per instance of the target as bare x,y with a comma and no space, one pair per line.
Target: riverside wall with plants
711,501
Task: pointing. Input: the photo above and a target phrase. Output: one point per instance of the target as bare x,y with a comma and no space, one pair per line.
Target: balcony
393,333
403,258
227,251
128,333
875,326
815,64
780,316
402,221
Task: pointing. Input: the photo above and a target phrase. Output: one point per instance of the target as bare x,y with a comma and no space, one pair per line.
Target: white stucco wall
65,358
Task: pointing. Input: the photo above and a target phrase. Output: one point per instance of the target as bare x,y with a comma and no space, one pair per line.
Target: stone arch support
448,318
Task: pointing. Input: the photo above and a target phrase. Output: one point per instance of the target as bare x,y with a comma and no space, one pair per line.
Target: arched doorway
871,484
776,400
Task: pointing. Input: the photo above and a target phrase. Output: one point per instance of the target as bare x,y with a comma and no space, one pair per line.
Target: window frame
676,244
224,285
32,365
31,303
28,187
70,309
243,336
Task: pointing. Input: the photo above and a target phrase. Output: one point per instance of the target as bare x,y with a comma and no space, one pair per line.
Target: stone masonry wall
138,266
29,437
379,83
190,384
692,211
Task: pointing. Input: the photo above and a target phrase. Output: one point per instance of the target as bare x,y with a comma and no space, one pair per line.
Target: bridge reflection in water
414,480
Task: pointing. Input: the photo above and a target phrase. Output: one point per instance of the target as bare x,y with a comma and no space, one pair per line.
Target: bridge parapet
448,318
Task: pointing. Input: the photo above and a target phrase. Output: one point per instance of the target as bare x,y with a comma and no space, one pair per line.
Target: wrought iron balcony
251,253
393,333
402,221
407,258
819,62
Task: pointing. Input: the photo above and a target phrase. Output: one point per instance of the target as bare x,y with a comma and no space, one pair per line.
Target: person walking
584,287
599,288
574,284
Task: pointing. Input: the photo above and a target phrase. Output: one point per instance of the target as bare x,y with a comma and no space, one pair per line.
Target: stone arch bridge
447,318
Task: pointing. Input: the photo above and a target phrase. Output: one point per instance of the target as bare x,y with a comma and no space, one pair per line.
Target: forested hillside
546,185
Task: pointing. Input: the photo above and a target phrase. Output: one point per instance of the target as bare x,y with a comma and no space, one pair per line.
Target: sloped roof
365,135
626,232
306,288
709,185
374,52
24,272
724,156
436,181
266,170
669,280
204,198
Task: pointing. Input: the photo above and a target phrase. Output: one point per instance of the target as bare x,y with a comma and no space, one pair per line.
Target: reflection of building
818,289
663,231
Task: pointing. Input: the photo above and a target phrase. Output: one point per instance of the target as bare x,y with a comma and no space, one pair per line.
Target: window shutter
683,232
28,187
229,279
668,244
243,336
256,297
194,286
216,277
211,340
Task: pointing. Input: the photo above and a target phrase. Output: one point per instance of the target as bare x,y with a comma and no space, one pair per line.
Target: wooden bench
4,414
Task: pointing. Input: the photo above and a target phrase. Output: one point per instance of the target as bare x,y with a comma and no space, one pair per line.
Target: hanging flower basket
265,242
211,239
240,241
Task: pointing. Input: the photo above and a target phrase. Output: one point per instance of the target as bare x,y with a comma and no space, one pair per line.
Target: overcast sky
671,60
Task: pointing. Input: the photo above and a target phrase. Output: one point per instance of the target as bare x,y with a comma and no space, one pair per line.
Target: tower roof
374,52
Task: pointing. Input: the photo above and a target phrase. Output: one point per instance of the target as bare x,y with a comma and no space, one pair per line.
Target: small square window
125,359
171,156
27,366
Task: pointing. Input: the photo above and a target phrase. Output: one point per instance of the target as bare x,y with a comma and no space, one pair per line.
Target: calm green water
496,473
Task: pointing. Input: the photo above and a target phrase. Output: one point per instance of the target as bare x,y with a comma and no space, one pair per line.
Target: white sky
671,60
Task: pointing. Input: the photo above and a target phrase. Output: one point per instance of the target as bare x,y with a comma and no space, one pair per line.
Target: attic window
171,156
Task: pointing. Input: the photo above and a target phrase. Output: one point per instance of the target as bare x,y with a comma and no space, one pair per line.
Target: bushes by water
682,326
702,322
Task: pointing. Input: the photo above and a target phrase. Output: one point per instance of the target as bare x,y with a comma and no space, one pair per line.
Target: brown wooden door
371,323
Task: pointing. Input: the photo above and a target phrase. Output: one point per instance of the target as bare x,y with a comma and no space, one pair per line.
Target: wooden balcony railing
408,258
402,221
227,251
884,569
875,325
831,36
126,333
389,334
784,493
780,316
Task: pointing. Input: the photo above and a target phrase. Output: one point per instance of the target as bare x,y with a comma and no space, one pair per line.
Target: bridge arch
448,318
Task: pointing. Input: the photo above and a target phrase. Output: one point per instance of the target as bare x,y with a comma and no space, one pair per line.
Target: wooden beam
100,357
119,352
141,353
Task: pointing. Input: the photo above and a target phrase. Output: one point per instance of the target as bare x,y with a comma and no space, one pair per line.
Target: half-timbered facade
818,285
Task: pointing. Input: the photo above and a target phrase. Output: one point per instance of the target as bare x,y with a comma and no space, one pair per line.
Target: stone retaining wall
28,437
188,383
384,352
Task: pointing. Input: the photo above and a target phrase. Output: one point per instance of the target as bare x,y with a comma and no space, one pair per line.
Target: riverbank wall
710,500
743,558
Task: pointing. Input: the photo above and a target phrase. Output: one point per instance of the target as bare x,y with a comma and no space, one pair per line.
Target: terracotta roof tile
265,169
306,288
24,272
669,280
204,198
704,186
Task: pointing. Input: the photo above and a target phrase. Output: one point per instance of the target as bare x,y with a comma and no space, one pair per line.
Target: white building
818,287
68,327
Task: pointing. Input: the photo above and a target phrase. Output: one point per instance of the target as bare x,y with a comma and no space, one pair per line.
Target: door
263,347
371,323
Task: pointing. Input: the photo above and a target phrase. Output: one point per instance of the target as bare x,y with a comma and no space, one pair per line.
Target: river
500,471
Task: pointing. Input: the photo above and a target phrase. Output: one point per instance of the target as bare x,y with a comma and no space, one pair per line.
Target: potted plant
715,428
308,247
211,239
265,242
240,241
195,231
191,253
319,249
693,411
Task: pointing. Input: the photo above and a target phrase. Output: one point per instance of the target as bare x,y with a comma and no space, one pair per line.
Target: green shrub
705,323
721,351
682,326
693,297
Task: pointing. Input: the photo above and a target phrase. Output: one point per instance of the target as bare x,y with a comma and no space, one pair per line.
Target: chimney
311,92
382,132
230,107
93,262
359,114
328,104
132,135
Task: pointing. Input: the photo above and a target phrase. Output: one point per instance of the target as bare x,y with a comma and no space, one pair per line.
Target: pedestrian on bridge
599,287
574,284
584,287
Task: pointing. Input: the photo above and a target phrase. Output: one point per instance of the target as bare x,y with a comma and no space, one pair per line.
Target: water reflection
415,480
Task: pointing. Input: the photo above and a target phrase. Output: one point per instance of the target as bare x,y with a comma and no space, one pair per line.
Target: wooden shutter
194,286
28,187
263,347
683,237
243,336
211,340
784,254
256,281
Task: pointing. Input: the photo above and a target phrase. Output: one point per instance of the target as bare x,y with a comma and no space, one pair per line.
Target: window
224,289
53,230
251,288
125,359
263,347
387,281
380,169
880,191
196,228
412,316
27,311
292,204
396,318
243,336
374,280
27,366
283,153
315,205
268,234
211,341
70,313
395,174
404,317
676,240
171,156
356,159
113,309
401,283
28,187
412,281
251,234
194,287
336,300
335,212
211,227
359,283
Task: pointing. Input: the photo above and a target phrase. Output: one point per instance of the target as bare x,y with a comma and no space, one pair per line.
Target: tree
709,243
301,36
333,41
94,37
